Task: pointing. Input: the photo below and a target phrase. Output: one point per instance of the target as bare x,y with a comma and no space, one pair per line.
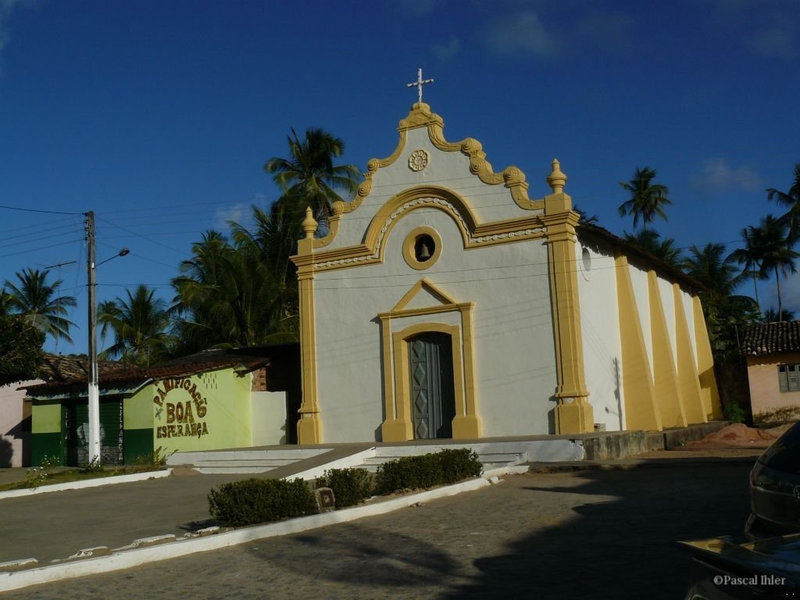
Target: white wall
642,296
597,286
668,302
446,169
513,334
268,412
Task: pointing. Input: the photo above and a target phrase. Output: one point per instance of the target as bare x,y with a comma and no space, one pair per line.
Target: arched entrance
432,385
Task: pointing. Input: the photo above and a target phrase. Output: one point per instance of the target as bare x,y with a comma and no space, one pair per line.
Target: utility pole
94,391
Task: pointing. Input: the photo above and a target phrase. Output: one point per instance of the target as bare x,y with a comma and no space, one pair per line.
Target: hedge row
350,486
254,501
427,470
259,500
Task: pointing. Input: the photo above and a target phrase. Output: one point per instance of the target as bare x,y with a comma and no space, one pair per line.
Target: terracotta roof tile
69,372
772,338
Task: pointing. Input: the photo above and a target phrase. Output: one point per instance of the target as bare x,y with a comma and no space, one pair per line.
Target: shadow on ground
607,534
623,548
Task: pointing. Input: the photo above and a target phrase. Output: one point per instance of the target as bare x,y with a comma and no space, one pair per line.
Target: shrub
252,501
156,458
734,413
37,476
350,486
412,472
458,464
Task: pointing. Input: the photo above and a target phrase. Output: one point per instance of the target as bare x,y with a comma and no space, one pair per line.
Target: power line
34,210
40,248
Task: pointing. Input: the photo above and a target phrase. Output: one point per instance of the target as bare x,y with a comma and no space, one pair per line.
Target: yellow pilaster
687,369
309,427
668,392
641,411
573,413
467,426
397,425
705,363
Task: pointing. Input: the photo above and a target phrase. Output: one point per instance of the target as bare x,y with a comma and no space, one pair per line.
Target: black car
775,488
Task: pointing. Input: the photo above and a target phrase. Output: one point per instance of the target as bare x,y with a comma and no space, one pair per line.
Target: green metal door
432,395
75,428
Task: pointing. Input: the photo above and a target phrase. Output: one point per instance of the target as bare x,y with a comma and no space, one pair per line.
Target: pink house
15,425
773,370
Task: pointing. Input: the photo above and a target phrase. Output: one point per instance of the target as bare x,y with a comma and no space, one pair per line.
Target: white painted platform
492,454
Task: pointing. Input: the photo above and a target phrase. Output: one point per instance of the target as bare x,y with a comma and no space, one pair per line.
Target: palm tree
40,303
714,270
228,295
584,217
751,256
5,303
650,241
139,323
777,256
771,315
647,199
791,199
309,177
725,313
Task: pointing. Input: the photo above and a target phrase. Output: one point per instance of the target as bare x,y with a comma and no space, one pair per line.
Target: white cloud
521,33
608,30
790,294
418,7
766,28
239,213
448,50
717,175
776,40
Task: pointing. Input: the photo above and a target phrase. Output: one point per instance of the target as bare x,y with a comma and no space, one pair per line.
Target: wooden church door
432,394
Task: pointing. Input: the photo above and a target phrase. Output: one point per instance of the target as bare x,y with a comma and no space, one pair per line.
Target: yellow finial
309,224
556,180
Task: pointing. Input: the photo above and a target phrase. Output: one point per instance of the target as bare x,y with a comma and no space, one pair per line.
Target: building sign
181,418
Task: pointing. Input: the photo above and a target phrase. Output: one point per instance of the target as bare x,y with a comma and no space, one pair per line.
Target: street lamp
94,390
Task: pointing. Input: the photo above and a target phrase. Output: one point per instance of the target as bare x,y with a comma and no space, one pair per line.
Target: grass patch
67,475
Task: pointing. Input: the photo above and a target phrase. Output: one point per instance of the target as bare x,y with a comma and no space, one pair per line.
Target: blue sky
159,114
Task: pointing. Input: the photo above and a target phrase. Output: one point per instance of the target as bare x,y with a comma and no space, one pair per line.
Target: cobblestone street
587,534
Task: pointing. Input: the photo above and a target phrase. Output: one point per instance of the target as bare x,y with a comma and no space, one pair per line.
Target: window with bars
789,378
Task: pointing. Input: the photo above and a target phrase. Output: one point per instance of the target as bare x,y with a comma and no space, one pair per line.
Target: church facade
444,302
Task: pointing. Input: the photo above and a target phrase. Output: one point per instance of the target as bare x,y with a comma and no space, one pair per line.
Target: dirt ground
738,435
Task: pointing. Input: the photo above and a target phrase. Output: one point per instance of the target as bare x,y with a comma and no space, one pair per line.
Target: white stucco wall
668,302
513,335
602,350
688,311
642,296
446,169
268,418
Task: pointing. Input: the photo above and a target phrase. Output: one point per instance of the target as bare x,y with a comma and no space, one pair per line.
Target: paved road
590,534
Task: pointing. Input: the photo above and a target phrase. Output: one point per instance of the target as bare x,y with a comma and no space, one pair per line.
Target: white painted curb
126,559
351,460
86,483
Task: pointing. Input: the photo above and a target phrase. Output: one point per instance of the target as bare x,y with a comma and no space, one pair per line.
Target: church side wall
668,302
512,330
640,292
602,351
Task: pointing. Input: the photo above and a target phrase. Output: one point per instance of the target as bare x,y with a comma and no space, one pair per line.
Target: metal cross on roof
419,83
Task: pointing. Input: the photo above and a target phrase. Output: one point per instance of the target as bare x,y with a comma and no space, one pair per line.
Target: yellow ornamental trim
473,234
421,116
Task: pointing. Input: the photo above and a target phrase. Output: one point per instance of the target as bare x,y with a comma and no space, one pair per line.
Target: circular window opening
424,247
587,259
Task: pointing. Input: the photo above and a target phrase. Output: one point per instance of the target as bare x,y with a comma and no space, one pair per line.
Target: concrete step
249,460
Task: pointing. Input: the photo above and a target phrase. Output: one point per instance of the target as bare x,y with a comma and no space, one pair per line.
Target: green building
207,401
